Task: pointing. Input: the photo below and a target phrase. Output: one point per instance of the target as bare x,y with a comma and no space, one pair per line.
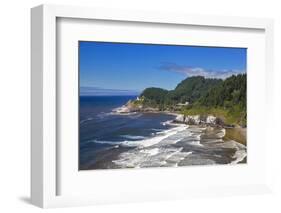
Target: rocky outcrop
180,118
131,107
198,119
128,108
193,120
122,109
211,119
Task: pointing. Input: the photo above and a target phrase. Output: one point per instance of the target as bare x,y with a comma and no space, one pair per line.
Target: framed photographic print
173,115
146,105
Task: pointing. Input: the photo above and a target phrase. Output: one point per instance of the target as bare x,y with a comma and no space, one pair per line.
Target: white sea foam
106,142
165,123
178,157
240,153
151,157
172,123
153,151
196,143
141,141
85,120
239,156
121,111
133,137
176,141
160,149
154,140
157,129
156,151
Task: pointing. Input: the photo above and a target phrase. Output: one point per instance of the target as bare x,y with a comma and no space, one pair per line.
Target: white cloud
198,71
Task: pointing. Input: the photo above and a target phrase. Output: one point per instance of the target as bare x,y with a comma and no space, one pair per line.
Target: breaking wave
133,137
141,141
178,146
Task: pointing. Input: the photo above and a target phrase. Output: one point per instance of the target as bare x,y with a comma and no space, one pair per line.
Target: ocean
109,140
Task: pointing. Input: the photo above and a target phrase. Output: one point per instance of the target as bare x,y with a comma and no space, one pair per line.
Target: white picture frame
44,149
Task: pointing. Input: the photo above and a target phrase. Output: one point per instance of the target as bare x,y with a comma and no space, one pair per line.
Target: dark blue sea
109,140
100,129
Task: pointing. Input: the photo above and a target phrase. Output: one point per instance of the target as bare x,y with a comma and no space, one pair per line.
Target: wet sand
237,134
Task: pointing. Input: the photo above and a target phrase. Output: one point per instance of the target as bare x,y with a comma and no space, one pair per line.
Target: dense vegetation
222,98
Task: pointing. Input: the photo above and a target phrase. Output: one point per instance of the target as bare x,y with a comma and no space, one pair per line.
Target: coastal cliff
131,107
223,99
199,101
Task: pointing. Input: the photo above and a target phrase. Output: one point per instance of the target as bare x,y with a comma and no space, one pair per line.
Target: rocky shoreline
130,107
198,120
233,132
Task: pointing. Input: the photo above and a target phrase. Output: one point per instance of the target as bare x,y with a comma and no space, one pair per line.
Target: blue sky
123,69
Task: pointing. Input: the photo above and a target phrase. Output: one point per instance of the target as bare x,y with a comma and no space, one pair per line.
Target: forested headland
197,95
